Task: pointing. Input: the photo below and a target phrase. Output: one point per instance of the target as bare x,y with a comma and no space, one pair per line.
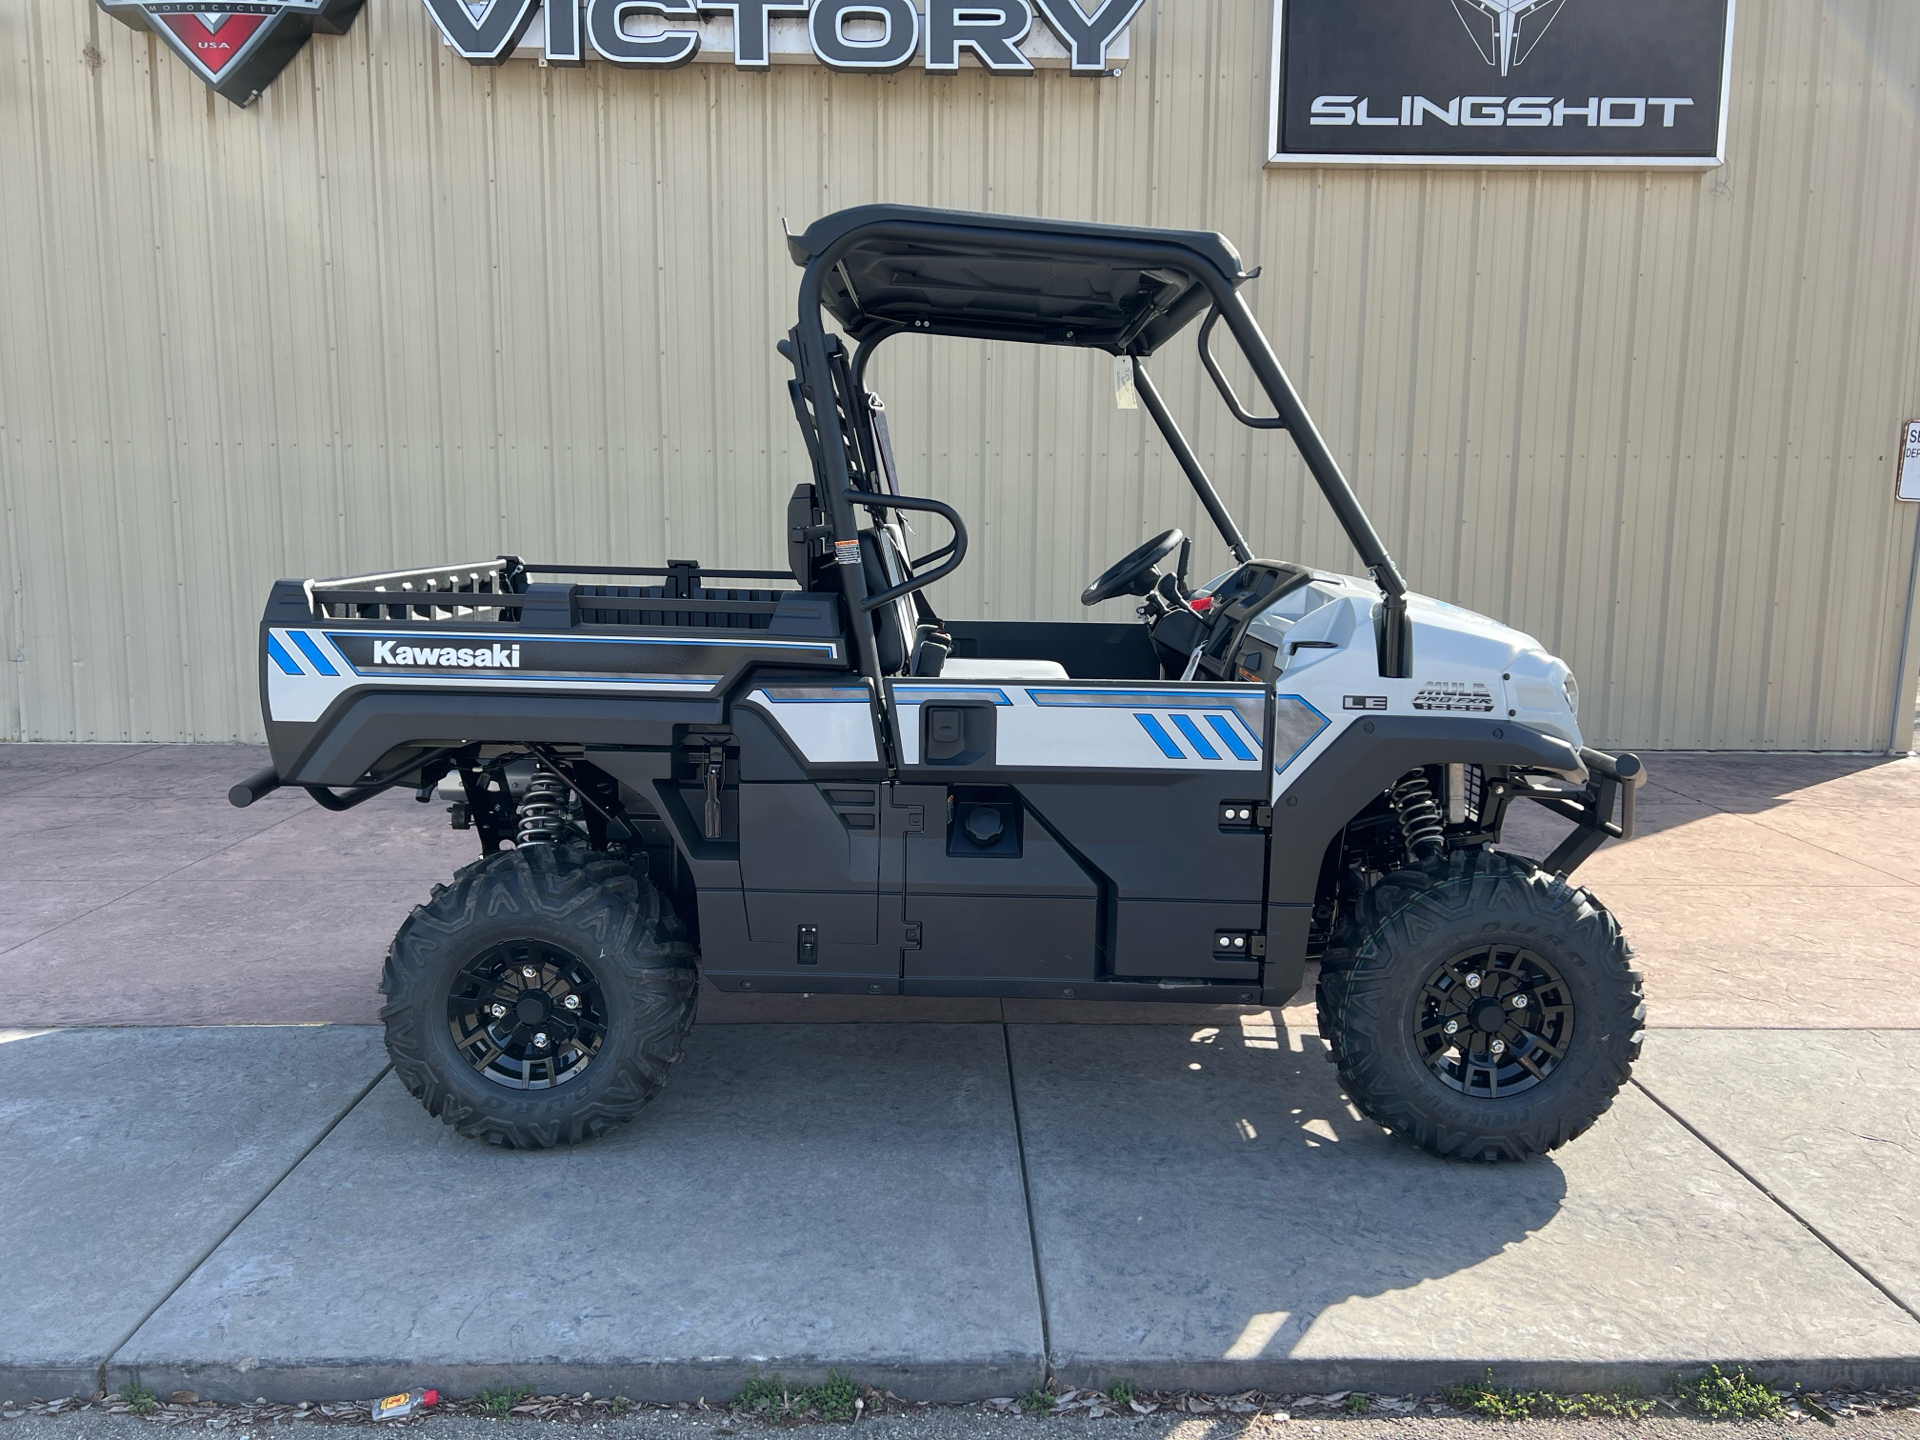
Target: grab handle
1272,422
958,546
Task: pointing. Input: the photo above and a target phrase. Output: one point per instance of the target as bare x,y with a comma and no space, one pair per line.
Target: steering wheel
1136,574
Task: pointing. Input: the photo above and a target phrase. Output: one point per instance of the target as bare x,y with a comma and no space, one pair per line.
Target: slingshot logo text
1505,33
1610,112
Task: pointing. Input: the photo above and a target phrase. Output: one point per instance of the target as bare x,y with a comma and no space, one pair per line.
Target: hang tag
1125,396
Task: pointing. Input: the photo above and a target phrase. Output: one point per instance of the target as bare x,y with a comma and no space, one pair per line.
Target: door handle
715,777
956,734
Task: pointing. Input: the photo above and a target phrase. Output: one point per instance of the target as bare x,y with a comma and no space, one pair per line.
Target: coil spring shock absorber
1420,823
543,812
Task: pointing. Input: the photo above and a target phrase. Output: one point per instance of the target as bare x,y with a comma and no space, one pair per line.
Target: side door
1086,830
812,791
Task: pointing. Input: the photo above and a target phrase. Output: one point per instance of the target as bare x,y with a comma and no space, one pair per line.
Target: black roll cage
901,229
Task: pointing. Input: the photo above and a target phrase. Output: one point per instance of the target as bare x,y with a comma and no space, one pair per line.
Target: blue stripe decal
281,658
1232,741
1160,737
1201,745
817,694
537,677
312,652
1170,699
822,647
933,694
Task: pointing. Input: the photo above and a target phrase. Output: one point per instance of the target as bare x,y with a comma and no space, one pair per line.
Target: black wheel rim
527,1016
1494,1021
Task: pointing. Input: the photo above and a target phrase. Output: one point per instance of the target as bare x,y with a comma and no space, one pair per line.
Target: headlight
1572,688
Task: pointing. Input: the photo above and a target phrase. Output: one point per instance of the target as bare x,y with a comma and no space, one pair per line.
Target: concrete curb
49,1381
950,1383
1425,1377
953,1382
638,1379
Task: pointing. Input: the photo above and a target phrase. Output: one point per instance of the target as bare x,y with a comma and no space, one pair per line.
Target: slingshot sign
1639,83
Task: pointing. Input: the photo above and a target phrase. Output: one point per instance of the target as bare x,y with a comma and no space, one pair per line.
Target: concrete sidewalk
951,1211
236,1197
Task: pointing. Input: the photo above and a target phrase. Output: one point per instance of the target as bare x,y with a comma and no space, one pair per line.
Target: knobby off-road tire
1397,972
578,924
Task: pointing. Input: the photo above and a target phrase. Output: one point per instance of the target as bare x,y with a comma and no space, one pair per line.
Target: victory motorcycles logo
447,657
236,48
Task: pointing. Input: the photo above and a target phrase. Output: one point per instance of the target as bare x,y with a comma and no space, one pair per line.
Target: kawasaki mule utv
812,782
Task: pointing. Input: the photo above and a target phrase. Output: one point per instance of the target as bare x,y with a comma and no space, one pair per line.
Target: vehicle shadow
1753,784
1208,1208
1685,786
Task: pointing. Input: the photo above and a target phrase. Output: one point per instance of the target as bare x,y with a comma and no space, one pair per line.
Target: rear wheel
1488,1014
540,998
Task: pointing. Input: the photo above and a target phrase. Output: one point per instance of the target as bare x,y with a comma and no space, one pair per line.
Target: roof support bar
1171,254
1190,462
1313,449
863,355
817,377
1396,632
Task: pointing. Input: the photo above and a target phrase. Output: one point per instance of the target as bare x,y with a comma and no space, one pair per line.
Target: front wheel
540,998
1488,1014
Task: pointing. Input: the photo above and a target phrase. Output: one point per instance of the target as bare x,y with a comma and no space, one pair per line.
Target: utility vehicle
809,781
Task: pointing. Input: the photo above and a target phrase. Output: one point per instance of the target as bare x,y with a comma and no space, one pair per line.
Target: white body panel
1463,664
1121,725
828,724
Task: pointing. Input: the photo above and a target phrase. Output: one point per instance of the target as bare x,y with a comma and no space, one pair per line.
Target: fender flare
1368,758
364,725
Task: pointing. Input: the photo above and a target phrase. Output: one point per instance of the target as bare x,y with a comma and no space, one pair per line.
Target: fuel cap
985,825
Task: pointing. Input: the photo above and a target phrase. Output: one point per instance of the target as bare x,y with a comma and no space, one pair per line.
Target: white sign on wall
1909,483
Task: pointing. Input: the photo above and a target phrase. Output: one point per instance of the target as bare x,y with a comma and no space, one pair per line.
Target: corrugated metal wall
404,311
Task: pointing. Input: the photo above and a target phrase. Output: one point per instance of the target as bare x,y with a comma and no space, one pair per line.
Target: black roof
1009,277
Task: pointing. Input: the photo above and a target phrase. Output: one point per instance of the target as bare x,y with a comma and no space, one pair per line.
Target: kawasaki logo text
485,657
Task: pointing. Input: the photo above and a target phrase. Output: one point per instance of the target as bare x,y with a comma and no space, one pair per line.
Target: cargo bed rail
444,592
501,588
